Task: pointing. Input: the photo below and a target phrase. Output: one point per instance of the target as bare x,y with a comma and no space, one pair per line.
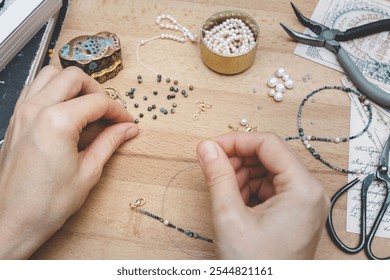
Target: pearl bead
280,88
289,84
272,82
308,146
165,222
337,140
271,92
244,121
278,96
308,138
366,102
279,72
285,77
305,142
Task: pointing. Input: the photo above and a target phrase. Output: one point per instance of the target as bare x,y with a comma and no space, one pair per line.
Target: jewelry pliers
331,38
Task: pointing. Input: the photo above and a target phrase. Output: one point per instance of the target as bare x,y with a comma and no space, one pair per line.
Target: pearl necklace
167,22
231,37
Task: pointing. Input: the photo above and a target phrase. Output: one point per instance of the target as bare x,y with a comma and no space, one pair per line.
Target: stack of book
26,29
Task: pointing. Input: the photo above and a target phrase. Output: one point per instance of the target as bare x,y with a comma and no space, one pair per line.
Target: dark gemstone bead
183,92
158,78
173,111
311,150
132,90
174,105
153,106
168,97
136,105
154,117
301,134
127,93
139,77
171,89
191,88
175,82
132,95
136,121
173,95
155,92
145,97
301,129
168,80
150,108
141,115
175,89
316,155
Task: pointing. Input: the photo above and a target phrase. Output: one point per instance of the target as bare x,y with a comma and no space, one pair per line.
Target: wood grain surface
160,163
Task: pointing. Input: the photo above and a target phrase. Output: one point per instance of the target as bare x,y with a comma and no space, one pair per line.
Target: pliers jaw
304,38
316,27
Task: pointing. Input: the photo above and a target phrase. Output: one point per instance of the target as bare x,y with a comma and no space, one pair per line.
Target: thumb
103,146
220,177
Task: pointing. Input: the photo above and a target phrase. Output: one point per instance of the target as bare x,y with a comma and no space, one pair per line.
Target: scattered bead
279,72
136,121
149,108
154,117
173,111
244,121
184,93
141,115
173,95
280,87
171,89
191,88
139,78
289,84
272,82
155,92
285,77
169,97
271,92
153,106
127,93
174,105
175,82
278,96
159,78
145,97
136,105
168,80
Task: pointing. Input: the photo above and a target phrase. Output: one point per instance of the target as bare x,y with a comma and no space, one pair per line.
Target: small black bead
168,97
154,117
171,89
175,89
131,95
153,106
127,93
139,77
175,82
191,88
155,92
145,97
150,108
173,95
136,105
168,80
173,111
141,115
136,121
158,78
174,105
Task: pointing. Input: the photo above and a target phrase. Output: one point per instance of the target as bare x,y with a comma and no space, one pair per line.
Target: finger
46,74
88,108
69,83
271,150
95,156
220,176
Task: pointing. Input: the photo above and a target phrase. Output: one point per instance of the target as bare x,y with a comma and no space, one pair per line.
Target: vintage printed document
372,57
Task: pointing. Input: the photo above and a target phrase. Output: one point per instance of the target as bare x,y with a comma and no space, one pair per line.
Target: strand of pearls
167,22
231,37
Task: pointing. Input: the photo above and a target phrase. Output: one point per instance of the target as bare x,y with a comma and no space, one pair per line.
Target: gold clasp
140,201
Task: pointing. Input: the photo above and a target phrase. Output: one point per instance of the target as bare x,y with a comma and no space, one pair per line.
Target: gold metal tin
228,64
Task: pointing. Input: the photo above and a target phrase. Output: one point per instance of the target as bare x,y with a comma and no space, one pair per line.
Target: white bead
289,84
280,88
142,42
308,146
271,92
272,82
305,142
278,96
366,102
285,76
244,121
337,140
308,138
279,72
165,222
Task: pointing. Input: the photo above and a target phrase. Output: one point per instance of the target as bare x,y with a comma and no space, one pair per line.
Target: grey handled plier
330,38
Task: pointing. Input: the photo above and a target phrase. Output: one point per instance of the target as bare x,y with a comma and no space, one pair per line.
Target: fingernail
208,151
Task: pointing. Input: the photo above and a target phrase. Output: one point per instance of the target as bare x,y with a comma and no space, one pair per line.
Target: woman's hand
291,216
44,178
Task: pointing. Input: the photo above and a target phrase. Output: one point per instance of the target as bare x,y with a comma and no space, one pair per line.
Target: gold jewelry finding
113,93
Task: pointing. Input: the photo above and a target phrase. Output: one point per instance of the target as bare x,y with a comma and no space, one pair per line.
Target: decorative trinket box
97,55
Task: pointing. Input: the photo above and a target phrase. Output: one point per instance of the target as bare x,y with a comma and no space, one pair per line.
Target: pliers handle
330,38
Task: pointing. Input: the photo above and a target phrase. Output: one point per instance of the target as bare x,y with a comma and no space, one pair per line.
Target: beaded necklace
306,139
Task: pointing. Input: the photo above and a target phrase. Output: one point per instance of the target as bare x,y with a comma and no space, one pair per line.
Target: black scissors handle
364,30
330,226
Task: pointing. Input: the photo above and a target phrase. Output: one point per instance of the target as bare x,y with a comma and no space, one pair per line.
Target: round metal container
228,64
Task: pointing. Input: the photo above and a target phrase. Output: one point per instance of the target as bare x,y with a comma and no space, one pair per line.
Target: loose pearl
271,92
272,82
244,121
285,77
280,88
289,84
278,96
279,72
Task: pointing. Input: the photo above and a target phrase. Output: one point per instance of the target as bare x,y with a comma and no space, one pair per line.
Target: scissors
381,175
330,38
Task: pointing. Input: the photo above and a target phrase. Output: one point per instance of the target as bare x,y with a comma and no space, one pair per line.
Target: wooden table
160,163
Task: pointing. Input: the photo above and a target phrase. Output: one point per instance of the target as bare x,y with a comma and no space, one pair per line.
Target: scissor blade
384,158
303,38
316,27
